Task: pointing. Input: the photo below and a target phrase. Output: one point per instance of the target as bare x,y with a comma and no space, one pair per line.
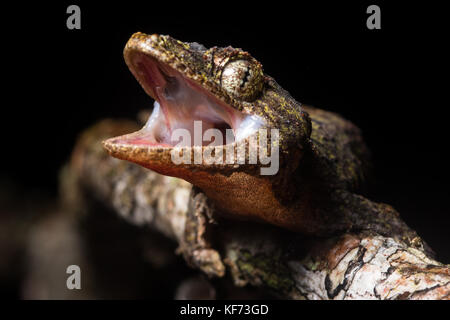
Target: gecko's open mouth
181,103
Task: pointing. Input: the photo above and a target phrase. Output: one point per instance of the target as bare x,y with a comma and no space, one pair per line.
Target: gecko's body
322,158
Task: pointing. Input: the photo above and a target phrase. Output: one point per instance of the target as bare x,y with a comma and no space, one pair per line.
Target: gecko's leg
196,245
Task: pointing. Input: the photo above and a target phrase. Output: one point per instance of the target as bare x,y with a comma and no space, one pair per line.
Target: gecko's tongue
183,108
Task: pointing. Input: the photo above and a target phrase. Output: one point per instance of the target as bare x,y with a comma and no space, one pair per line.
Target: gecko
323,161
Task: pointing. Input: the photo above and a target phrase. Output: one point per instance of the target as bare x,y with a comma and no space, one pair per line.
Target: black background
391,82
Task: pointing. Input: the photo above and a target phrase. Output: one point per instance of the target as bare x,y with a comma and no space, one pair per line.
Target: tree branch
357,265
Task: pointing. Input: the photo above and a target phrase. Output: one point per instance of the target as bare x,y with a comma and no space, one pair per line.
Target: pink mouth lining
179,102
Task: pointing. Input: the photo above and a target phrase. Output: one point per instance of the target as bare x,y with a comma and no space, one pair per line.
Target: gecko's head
205,98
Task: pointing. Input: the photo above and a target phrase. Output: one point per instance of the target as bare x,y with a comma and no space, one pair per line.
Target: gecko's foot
196,246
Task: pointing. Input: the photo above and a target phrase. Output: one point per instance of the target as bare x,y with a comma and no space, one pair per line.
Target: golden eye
242,79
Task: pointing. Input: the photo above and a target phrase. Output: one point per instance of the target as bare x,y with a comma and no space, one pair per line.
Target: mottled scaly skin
323,159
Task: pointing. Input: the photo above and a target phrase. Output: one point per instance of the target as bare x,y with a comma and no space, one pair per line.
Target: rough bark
357,265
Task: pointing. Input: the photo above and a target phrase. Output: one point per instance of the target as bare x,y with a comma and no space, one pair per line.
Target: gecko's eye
242,79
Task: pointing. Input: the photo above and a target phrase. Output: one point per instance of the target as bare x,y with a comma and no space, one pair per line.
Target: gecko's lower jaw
184,113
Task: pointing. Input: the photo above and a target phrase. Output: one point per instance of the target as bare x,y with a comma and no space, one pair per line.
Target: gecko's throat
184,111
